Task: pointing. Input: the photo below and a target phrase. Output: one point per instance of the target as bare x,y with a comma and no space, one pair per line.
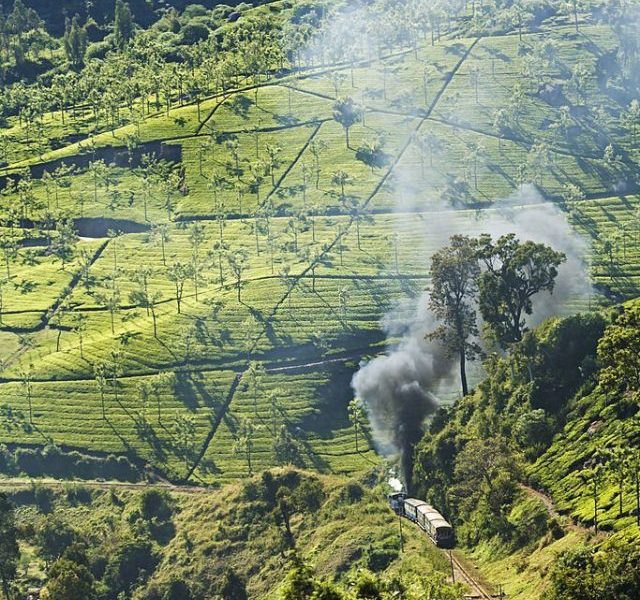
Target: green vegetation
559,416
245,537
206,212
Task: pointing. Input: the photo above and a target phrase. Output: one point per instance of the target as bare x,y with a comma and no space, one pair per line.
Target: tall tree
256,374
238,263
196,239
356,416
178,273
75,42
26,378
123,24
244,443
514,272
454,272
347,113
100,372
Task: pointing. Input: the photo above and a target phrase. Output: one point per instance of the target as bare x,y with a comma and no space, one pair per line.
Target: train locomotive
427,517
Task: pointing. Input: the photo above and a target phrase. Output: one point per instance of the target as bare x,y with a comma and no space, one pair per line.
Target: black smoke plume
399,388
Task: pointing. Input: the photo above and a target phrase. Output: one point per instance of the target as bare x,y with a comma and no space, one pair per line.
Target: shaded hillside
556,417
242,538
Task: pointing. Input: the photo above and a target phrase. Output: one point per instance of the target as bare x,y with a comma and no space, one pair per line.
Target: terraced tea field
243,232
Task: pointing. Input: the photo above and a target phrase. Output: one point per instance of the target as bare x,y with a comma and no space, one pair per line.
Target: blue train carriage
436,526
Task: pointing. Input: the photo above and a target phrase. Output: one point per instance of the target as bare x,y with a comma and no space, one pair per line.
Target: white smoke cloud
402,387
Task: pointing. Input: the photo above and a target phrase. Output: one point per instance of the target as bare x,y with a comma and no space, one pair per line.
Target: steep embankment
542,458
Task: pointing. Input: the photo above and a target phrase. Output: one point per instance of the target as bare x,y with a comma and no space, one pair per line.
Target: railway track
462,575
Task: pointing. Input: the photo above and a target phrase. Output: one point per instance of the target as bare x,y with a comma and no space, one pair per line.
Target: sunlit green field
300,246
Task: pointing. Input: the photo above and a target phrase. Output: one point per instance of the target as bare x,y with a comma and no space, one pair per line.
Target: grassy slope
216,530
211,339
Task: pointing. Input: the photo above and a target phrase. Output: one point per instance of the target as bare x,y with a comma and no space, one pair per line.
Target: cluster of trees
609,572
22,37
51,461
498,278
473,456
159,74
77,566
301,583
619,459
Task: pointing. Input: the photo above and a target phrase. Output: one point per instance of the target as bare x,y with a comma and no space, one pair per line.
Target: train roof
440,523
415,502
433,515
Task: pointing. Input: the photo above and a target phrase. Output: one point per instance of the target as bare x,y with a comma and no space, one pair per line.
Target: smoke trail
401,388
531,217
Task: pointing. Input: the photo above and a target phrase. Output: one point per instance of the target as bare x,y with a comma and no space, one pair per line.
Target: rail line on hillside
462,575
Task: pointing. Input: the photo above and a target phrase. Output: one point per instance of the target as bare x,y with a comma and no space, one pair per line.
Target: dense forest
263,263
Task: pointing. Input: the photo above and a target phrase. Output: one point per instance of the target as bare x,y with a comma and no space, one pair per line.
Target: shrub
351,493
194,33
155,504
378,558
43,497
98,51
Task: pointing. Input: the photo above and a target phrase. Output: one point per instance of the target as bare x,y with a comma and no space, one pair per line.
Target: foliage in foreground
237,542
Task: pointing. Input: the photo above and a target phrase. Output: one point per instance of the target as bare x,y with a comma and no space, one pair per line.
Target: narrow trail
295,161
212,112
546,500
13,483
421,122
565,521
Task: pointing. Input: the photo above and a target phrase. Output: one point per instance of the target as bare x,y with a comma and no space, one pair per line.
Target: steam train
427,517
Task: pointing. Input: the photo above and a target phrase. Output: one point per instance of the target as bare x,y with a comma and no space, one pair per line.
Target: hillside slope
236,537
239,227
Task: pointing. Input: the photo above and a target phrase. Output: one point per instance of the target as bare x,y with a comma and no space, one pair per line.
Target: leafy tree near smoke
514,272
347,113
454,272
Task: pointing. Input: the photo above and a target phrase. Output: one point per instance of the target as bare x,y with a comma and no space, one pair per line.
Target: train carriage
426,516
436,526
411,506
